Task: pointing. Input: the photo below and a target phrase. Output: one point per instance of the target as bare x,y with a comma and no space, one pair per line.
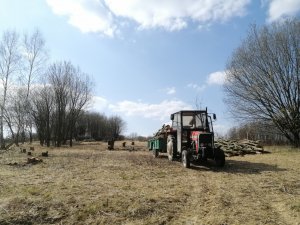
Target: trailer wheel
219,157
170,147
155,153
186,159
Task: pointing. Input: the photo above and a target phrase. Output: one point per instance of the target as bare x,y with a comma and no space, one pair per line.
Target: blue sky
147,58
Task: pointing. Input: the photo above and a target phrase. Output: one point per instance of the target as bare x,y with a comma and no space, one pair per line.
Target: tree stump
111,144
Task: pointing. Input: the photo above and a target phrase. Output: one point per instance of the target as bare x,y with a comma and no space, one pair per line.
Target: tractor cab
192,128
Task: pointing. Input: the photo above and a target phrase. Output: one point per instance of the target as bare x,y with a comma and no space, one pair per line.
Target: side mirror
214,116
172,117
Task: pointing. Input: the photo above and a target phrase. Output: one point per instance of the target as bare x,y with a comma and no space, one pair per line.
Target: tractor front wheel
186,159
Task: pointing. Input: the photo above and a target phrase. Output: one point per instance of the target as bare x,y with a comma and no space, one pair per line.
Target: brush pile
241,147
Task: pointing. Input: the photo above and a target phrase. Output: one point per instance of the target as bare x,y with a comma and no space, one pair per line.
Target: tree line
267,133
42,97
99,127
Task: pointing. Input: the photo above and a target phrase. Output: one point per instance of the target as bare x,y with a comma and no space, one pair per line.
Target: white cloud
174,14
171,90
279,9
217,78
197,87
159,111
105,16
98,104
87,15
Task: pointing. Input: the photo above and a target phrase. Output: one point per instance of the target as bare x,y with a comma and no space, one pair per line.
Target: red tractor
190,138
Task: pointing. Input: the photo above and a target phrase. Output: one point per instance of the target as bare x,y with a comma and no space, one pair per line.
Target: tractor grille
205,138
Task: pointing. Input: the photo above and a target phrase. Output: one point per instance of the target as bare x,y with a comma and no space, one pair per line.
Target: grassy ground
87,184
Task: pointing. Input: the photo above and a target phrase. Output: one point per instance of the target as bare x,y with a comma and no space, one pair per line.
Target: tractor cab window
175,121
194,120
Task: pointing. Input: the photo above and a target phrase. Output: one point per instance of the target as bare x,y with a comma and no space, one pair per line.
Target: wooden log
33,160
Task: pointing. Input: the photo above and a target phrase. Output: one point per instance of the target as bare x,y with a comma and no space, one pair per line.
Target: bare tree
35,57
116,126
34,60
15,112
9,64
79,94
263,78
72,91
59,77
42,113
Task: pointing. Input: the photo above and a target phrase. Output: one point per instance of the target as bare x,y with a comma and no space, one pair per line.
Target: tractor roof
192,111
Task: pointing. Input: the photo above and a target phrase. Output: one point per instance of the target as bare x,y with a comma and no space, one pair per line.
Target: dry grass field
87,184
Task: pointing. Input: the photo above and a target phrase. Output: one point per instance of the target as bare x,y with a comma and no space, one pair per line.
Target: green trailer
157,145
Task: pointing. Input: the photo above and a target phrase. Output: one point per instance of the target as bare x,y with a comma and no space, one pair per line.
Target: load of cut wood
239,147
163,131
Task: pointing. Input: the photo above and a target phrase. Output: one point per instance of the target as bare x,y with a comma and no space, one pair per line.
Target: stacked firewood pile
241,147
163,131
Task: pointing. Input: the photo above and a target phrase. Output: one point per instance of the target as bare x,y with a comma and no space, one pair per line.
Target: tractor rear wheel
219,157
186,159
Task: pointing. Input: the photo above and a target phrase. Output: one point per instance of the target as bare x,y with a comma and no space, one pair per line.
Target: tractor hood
202,138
